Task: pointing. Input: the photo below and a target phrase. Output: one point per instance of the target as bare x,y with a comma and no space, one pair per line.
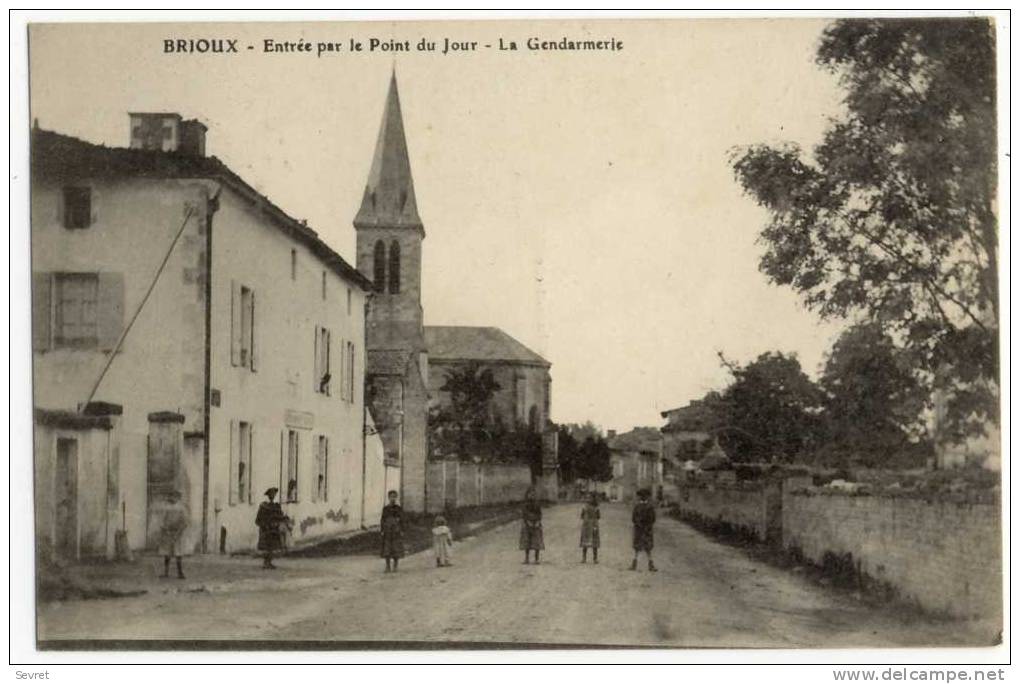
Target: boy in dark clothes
643,518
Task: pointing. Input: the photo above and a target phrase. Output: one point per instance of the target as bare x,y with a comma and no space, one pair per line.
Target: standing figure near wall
269,520
531,528
171,532
392,527
590,515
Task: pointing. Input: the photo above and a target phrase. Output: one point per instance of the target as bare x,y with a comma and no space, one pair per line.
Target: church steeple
389,194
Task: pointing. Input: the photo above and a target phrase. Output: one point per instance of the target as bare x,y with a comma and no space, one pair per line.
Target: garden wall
452,484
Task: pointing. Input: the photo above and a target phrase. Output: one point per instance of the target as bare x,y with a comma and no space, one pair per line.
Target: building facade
636,461
188,335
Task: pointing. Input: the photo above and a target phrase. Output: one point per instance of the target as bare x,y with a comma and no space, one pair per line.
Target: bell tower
389,237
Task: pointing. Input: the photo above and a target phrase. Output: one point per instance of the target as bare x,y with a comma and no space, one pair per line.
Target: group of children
531,538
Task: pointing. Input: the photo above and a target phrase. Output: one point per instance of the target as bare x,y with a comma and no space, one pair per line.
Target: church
407,360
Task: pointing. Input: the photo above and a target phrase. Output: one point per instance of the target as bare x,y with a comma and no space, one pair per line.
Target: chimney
192,138
167,132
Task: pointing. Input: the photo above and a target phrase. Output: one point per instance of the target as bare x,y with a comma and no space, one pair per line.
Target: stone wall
945,556
749,508
452,484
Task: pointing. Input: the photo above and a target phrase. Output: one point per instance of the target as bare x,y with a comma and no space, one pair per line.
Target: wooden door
66,540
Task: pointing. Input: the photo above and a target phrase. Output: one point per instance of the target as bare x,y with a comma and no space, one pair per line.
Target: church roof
466,343
389,195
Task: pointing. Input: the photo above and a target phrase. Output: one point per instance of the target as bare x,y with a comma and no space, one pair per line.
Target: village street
706,594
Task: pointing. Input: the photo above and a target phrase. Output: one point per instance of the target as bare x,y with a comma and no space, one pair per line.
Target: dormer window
77,207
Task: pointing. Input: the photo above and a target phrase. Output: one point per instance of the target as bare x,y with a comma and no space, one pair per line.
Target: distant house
636,461
688,435
244,367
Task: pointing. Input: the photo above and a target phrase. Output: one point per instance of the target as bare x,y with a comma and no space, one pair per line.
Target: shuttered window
322,469
77,310
322,374
77,207
243,331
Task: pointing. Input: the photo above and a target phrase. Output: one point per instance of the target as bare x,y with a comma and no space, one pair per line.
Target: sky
581,201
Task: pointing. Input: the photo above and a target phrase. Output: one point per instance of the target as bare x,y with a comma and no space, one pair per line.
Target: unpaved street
705,595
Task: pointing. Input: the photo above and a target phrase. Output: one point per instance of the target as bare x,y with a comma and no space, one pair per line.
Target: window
322,375
293,264
77,323
323,285
379,266
240,462
348,301
394,267
321,469
242,324
292,467
77,207
617,468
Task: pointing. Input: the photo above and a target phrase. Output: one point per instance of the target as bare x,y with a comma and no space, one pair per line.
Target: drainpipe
212,206
364,413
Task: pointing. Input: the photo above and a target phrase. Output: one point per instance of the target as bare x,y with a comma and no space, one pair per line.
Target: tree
770,411
466,423
892,217
594,461
567,454
873,401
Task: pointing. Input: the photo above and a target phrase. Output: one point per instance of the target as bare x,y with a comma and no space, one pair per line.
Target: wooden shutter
235,323
253,343
317,366
110,309
251,459
326,362
283,455
235,452
42,310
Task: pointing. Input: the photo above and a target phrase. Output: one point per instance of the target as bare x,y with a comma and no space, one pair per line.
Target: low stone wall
452,484
945,556
752,509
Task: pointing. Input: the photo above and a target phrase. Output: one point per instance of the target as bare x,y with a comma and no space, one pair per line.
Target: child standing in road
442,542
590,515
531,527
171,532
643,518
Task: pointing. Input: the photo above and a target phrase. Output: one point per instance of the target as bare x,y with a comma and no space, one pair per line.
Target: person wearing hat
171,532
392,528
643,518
531,527
269,519
442,542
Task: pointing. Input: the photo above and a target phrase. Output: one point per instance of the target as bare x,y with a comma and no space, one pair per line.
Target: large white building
242,367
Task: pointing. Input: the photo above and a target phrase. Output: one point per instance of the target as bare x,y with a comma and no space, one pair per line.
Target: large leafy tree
771,410
466,423
892,217
873,400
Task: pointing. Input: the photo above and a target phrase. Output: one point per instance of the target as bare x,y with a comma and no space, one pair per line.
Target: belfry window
379,266
394,267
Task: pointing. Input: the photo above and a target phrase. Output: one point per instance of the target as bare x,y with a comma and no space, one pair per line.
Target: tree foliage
892,218
873,401
770,412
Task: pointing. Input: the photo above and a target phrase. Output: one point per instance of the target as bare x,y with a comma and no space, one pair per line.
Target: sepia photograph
660,333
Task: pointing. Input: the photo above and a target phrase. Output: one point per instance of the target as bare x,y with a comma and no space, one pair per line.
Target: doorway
66,538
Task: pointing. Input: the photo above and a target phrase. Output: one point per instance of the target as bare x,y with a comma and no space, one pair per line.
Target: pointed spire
389,195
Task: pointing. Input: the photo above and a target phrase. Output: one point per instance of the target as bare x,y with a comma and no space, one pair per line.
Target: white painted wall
249,250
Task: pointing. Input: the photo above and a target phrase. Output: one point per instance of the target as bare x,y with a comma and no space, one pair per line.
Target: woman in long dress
531,528
392,527
590,515
270,519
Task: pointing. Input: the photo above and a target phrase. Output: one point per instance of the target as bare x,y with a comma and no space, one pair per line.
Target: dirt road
705,595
